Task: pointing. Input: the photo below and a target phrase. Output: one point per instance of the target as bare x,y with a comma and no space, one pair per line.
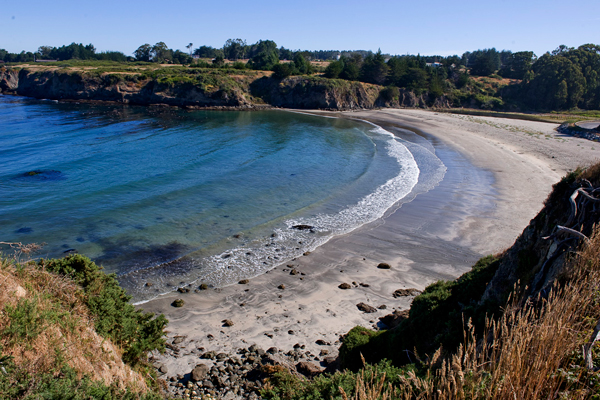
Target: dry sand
499,171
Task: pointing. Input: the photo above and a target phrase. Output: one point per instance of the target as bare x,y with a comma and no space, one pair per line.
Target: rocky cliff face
9,80
314,92
80,86
311,92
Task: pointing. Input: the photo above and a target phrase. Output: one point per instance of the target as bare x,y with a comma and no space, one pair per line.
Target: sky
426,27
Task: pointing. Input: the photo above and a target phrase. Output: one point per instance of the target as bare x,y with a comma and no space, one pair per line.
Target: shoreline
504,167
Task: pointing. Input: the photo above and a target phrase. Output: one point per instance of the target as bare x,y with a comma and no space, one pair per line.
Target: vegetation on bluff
68,331
564,79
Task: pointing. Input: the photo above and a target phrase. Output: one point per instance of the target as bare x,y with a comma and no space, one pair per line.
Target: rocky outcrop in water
9,80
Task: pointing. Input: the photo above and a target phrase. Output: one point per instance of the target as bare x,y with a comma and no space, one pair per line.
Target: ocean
168,198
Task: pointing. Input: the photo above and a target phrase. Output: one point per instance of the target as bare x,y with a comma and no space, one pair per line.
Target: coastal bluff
204,89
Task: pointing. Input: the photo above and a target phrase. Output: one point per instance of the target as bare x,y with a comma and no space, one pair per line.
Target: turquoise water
174,197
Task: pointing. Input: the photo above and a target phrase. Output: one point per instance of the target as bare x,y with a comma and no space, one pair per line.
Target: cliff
201,88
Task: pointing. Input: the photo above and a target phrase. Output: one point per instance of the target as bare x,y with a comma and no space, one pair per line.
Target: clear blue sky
429,27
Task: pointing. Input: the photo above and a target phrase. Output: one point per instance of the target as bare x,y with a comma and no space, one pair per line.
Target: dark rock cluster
241,375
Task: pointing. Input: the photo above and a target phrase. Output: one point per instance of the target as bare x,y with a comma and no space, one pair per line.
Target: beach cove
499,171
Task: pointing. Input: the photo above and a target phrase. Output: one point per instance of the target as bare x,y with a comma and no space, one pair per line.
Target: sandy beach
499,171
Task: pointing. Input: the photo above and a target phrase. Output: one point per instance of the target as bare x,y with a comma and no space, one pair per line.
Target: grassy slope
49,340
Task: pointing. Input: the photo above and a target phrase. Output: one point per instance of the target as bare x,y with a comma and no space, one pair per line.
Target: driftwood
566,237
573,232
586,195
573,213
587,348
576,219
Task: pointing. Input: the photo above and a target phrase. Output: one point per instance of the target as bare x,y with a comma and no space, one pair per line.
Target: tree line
564,78
67,52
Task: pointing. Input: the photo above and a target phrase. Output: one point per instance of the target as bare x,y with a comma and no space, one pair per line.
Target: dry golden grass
69,337
528,354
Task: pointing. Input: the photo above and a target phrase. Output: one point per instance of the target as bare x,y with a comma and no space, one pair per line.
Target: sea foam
287,243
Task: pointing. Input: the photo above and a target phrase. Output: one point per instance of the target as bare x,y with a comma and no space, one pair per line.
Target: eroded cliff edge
205,88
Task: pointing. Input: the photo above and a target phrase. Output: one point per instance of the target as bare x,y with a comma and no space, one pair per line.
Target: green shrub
390,93
115,318
352,346
281,71
284,386
27,319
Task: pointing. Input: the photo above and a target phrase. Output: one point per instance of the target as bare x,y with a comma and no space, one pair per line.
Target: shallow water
174,197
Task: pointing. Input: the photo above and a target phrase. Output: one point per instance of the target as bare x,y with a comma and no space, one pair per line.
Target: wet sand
499,172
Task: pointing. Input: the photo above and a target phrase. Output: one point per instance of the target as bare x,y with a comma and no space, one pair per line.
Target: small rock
290,332
244,282
272,350
227,322
308,369
203,286
345,286
178,339
406,292
364,284
366,308
149,284
269,335
282,286
178,303
294,272
330,361
199,372
382,307
384,266
302,227
394,319
183,290
163,369
321,342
